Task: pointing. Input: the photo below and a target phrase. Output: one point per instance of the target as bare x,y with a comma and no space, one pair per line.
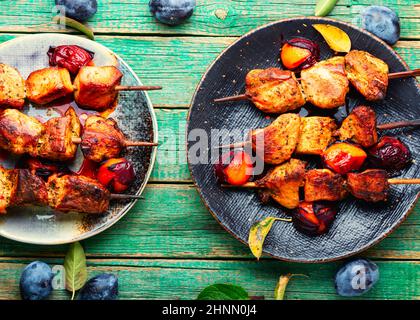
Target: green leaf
75,267
69,22
220,291
324,7
282,285
258,232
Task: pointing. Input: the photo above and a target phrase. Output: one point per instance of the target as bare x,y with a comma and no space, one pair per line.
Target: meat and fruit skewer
57,138
62,193
284,181
324,85
94,88
290,133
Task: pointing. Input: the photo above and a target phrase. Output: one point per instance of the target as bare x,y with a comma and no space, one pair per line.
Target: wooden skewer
137,88
396,75
399,124
384,126
253,185
117,196
127,143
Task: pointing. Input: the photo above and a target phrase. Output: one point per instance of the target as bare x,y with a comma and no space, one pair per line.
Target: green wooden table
168,246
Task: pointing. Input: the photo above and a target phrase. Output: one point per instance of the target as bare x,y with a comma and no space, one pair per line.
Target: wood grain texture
172,222
184,279
211,17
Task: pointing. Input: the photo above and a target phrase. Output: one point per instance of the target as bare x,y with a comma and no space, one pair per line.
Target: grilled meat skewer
290,134
94,88
283,183
57,138
325,84
62,193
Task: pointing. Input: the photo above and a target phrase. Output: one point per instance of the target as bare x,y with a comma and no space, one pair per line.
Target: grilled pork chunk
31,189
273,90
102,139
19,133
368,74
8,187
323,184
325,84
360,127
316,133
279,139
77,193
12,88
370,185
283,182
48,84
95,87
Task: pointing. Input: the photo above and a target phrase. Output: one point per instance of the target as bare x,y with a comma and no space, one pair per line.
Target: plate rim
129,206
308,261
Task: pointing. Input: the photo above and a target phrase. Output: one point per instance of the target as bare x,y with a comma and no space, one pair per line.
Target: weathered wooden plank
211,17
178,63
172,222
184,279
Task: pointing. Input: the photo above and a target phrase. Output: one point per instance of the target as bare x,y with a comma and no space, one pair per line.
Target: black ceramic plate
359,225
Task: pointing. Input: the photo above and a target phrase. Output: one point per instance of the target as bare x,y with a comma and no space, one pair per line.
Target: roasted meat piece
277,142
283,182
31,189
48,84
273,90
323,184
370,185
325,84
316,133
77,193
57,141
101,139
19,133
8,187
360,127
95,87
12,88
368,74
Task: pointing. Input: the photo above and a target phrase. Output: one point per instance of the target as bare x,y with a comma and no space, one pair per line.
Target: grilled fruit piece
77,193
323,184
95,87
279,139
316,133
325,84
360,127
344,157
19,133
48,84
390,153
299,53
8,188
12,88
31,189
101,139
234,168
273,90
371,185
368,74
314,218
57,140
283,182
116,174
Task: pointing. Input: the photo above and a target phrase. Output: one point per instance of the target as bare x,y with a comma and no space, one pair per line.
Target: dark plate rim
344,256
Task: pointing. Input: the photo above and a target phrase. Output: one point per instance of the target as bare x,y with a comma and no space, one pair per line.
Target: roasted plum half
344,157
314,218
390,153
234,168
299,53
